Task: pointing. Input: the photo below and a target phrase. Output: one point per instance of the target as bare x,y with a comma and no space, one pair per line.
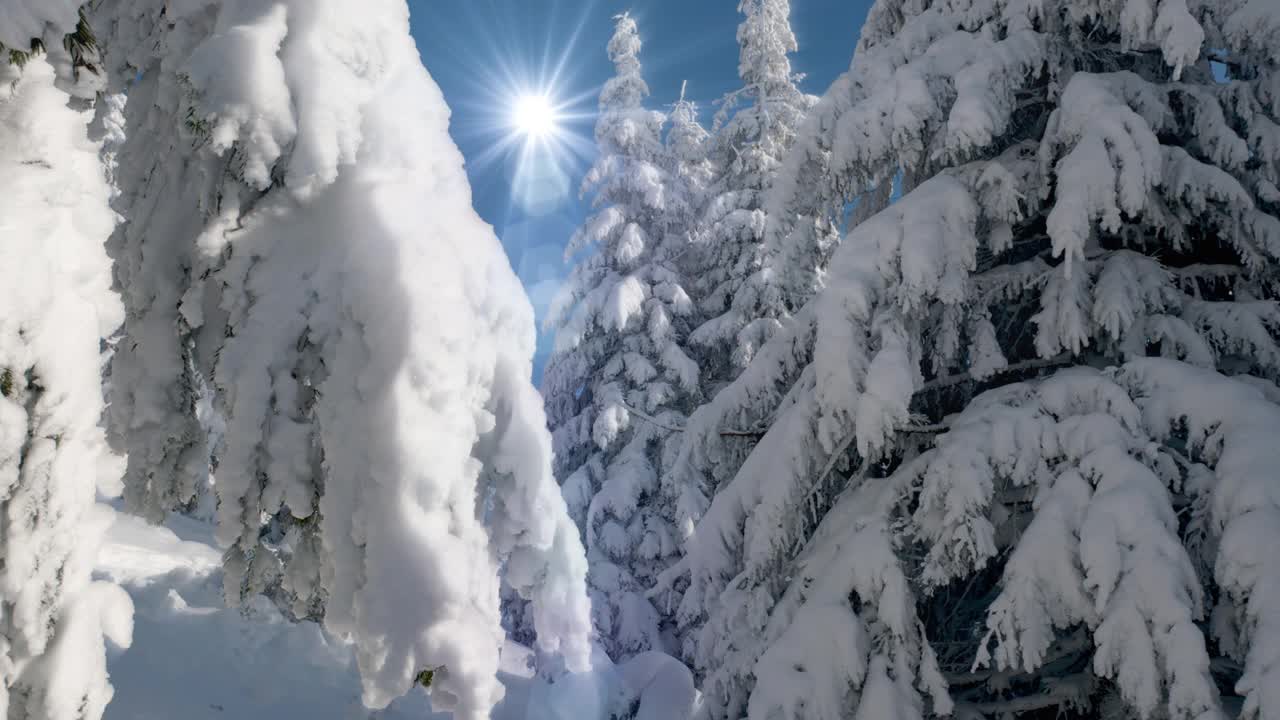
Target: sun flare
534,116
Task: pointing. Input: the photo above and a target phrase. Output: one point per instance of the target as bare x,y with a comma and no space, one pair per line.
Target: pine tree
619,382
740,302
1011,459
57,307
688,145
691,173
300,252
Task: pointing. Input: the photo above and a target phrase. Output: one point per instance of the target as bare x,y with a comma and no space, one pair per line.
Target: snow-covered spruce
55,291
687,161
739,298
1083,202
299,248
619,382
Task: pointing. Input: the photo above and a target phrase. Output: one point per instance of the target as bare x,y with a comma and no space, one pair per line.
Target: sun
534,116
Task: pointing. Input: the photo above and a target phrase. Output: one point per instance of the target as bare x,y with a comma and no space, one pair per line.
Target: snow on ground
193,659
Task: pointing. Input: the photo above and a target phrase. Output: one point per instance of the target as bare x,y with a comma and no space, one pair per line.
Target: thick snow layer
192,658
662,685
312,261
21,21
619,325
55,305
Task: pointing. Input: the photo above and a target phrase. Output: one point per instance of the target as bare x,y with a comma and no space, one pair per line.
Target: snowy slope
194,659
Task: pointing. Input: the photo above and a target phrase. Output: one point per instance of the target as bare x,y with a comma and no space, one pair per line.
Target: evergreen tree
740,302
619,382
299,250
1012,458
56,306
688,145
691,173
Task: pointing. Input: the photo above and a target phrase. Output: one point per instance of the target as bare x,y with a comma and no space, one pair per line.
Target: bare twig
950,380
933,428
743,433
1011,706
650,419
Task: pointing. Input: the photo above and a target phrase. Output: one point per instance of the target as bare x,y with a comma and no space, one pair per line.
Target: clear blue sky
481,51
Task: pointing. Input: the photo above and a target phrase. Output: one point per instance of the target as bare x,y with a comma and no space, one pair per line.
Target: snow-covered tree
739,300
56,306
299,248
619,382
1013,457
688,145
690,172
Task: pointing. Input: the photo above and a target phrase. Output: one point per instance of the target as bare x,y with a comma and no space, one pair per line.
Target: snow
618,381
1104,135
55,281
21,21
134,552
662,686
933,459
1064,201
791,683
1145,591
194,658
743,295
366,352
1230,425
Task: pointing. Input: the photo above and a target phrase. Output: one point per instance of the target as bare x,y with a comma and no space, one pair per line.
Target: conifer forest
945,385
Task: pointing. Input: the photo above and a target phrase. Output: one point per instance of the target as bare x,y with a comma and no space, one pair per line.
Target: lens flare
534,116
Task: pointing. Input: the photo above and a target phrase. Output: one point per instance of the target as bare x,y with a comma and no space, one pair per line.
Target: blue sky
482,53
